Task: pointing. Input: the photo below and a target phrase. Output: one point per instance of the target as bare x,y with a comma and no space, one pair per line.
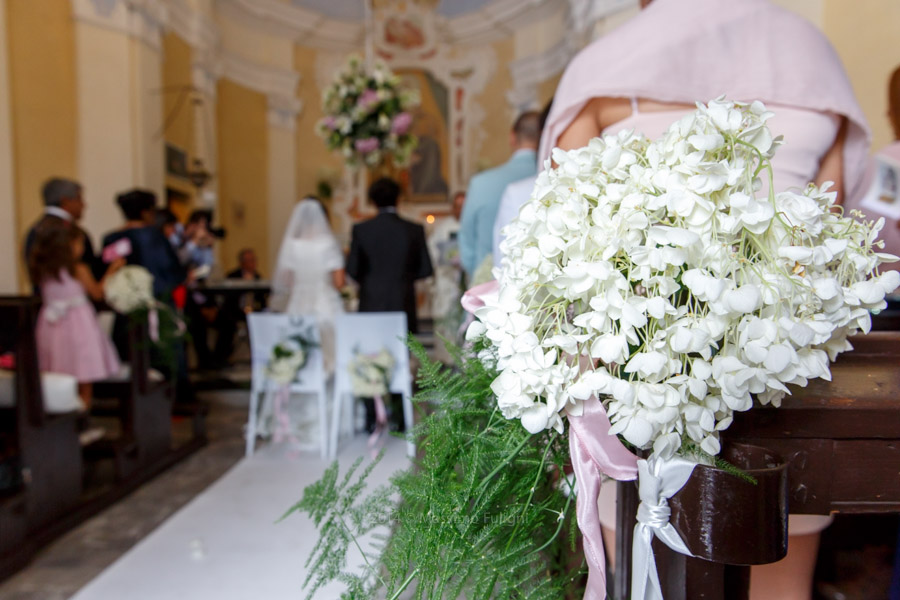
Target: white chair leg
251,423
323,424
335,422
408,421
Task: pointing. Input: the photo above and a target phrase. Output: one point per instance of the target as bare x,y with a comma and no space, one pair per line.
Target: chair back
368,333
268,329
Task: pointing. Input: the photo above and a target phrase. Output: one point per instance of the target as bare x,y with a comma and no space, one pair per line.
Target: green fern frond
482,515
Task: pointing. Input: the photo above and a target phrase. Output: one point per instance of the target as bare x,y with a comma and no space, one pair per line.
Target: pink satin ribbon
594,451
282,420
153,324
473,299
376,439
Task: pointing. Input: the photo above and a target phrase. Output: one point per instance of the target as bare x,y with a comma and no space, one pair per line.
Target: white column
282,141
9,267
118,72
146,103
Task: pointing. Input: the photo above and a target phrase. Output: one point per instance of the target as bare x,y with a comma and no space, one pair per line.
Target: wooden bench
53,498
46,445
841,440
143,406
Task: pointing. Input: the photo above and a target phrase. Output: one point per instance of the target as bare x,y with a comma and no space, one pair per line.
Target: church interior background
212,104
125,93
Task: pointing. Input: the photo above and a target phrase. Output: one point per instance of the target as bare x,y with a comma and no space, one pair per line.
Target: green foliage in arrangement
485,513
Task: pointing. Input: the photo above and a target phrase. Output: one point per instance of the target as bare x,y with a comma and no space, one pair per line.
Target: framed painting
427,178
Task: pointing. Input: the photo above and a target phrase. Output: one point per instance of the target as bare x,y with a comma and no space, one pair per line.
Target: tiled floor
66,565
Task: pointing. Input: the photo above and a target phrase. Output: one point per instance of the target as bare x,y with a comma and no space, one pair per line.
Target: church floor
69,563
193,534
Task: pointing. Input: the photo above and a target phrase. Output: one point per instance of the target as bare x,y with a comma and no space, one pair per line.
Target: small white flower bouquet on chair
370,377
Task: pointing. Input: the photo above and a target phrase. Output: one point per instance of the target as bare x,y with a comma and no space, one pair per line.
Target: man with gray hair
63,200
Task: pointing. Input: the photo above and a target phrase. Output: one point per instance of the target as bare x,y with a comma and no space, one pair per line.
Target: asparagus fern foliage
486,511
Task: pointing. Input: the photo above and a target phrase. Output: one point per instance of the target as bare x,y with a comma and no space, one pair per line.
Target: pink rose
367,99
330,122
366,145
401,123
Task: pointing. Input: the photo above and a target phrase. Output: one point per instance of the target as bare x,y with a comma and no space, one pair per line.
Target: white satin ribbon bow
658,480
55,310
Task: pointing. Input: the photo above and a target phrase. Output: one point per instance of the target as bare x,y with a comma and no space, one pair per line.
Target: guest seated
235,307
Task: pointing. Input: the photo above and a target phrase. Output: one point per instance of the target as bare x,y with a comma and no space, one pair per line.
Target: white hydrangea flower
653,276
129,289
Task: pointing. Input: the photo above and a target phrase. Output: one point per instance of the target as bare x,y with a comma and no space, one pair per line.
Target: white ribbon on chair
658,480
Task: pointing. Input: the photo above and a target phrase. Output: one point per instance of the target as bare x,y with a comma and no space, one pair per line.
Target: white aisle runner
225,544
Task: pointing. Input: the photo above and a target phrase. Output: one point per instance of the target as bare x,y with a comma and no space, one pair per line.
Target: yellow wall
314,161
498,120
547,89
243,172
43,92
867,37
178,112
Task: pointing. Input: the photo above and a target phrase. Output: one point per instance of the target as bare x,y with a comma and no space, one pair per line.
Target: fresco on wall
428,174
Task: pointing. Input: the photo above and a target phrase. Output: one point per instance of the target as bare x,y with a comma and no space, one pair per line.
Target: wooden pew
52,498
841,440
144,409
46,445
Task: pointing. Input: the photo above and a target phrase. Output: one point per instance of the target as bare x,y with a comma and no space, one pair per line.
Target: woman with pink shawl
649,73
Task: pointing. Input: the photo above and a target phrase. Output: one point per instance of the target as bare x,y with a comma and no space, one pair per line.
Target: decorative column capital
140,19
283,111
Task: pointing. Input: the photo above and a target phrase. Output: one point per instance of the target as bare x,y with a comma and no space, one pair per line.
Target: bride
310,271
307,277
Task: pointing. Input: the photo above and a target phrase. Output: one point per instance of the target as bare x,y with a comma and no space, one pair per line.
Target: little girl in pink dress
69,338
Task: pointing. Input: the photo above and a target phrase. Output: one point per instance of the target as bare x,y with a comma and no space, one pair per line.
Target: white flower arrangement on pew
129,289
650,275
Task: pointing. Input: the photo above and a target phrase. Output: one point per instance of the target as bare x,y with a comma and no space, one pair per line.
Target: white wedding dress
302,285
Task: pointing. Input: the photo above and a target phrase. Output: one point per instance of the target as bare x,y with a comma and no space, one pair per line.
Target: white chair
368,333
266,330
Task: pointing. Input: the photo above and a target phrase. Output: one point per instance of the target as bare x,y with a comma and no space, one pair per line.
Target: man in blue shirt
476,232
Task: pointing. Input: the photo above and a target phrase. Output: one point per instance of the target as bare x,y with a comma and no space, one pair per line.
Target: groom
387,255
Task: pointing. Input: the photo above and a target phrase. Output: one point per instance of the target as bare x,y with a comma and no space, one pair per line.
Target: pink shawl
687,51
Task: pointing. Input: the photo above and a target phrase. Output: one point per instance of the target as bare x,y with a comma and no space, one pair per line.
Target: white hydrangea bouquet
367,115
652,276
287,359
370,374
129,289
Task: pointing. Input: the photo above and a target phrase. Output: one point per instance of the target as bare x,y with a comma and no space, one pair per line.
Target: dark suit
88,257
151,250
387,255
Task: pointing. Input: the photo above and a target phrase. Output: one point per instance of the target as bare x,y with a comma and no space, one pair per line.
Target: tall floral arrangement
367,115
653,276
